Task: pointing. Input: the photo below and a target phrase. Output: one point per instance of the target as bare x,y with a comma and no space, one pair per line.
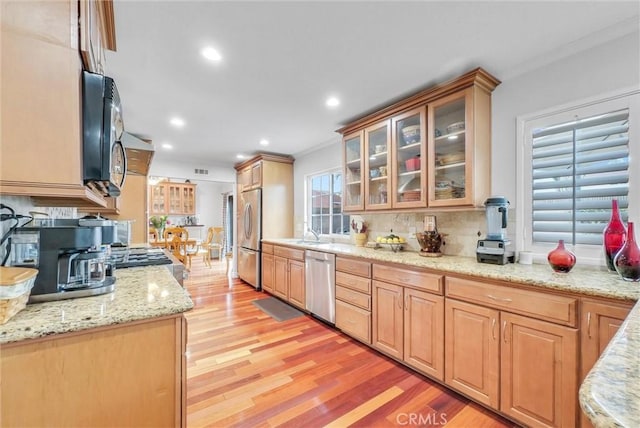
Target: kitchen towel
277,309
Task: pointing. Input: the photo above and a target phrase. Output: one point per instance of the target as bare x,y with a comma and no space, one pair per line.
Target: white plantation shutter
578,167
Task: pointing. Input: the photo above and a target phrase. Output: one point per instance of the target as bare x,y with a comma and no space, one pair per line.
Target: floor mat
277,309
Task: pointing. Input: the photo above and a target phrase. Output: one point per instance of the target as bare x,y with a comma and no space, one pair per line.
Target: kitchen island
610,394
111,360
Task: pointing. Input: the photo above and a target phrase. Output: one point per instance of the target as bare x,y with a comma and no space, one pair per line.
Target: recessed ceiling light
177,122
240,156
211,54
167,146
264,142
332,102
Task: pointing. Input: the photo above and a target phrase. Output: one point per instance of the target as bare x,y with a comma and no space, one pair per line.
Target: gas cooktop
135,257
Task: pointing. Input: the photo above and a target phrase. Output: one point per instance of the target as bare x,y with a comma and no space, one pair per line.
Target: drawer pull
499,299
493,328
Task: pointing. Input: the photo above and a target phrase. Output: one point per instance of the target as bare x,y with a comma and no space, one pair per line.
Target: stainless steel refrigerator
250,235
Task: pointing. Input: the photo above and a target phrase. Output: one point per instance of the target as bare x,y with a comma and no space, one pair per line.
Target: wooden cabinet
599,322
432,149
353,172
41,133
267,268
167,198
127,375
288,275
96,33
408,324
250,177
353,298
521,365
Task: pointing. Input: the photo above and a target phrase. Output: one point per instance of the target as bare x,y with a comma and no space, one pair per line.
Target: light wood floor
246,369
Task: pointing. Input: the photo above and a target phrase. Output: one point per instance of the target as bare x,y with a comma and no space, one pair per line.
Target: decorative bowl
457,126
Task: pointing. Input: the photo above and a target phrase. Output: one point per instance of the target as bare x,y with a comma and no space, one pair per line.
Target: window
325,204
574,163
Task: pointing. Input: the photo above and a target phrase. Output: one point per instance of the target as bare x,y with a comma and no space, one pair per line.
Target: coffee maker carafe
495,248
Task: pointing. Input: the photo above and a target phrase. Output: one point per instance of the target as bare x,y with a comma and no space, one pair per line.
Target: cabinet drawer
354,321
353,297
354,282
352,266
409,278
289,253
545,306
267,248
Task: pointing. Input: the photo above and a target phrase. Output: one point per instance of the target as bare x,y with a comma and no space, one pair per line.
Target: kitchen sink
301,242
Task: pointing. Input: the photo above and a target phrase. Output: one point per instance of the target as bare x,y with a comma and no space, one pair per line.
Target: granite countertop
581,280
141,293
610,394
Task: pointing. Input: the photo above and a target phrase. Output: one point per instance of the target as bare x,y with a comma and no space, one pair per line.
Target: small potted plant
159,223
359,227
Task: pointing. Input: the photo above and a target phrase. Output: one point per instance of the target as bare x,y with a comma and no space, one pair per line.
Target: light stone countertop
610,395
141,293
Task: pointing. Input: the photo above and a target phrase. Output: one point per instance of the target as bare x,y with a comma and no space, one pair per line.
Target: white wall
184,170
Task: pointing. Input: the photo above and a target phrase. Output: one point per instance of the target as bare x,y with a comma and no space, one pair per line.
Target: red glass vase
627,261
561,259
613,236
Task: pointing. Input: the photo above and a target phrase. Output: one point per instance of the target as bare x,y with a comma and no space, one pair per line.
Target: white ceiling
281,60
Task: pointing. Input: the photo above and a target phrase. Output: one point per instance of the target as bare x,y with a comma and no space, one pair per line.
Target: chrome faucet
314,233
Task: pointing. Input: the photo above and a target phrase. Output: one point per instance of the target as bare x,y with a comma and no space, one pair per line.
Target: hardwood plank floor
246,369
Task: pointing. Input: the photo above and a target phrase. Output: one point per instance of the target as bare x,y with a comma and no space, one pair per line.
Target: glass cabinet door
409,159
450,134
175,199
158,199
353,184
377,145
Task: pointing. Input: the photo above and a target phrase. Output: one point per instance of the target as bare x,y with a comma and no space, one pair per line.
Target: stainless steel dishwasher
320,280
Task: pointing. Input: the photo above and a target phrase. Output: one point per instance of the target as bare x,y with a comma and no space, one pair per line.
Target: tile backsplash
461,229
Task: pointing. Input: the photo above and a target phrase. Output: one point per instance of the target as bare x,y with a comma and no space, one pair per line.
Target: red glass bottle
627,261
561,259
613,236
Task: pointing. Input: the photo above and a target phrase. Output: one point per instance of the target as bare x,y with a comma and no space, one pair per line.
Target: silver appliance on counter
495,248
320,283
72,257
249,237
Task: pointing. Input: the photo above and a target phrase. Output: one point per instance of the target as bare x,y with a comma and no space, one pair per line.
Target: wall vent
201,171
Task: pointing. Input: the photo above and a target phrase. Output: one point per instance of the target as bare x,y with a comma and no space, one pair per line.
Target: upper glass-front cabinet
353,170
409,159
451,132
377,148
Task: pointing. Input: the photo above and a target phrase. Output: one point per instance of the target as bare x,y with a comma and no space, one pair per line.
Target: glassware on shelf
613,236
561,259
627,260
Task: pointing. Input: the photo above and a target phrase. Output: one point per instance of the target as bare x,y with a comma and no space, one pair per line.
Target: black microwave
104,158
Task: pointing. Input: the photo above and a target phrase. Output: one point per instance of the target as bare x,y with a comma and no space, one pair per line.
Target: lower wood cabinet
288,275
599,322
267,272
524,367
125,375
353,298
408,325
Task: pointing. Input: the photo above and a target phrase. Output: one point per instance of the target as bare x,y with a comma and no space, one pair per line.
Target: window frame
308,205
628,98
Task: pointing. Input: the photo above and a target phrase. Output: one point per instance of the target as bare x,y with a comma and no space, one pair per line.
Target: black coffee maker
72,257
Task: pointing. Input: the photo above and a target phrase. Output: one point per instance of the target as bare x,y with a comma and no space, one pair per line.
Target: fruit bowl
395,247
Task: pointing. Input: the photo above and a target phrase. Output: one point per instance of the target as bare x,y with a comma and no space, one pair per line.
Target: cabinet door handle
493,328
400,302
589,324
406,303
504,331
499,299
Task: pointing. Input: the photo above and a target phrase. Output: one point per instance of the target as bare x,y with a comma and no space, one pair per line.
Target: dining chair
217,243
205,247
182,250
170,232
